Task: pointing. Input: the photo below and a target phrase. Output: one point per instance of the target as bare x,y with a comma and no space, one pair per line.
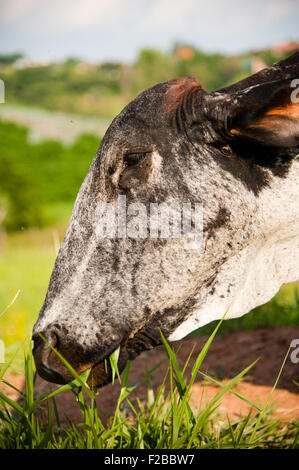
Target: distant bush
34,175
103,89
9,58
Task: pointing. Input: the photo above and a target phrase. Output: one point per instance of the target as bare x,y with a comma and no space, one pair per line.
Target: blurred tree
151,68
8,59
33,176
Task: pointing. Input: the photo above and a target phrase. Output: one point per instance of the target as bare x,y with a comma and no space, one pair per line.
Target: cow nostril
43,339
52,339
47,363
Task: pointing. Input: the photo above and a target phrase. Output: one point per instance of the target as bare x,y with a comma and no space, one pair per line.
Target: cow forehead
145,119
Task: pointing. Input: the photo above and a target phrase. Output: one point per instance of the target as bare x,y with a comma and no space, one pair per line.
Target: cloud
172,16
65,15
212,16
15,10
118,28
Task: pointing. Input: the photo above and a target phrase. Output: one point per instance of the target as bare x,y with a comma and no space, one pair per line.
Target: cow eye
137,166
132,159
226,150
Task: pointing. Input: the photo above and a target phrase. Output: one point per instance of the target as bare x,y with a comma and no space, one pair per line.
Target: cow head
230,153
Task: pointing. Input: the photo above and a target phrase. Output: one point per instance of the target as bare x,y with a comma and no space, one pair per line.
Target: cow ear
267,114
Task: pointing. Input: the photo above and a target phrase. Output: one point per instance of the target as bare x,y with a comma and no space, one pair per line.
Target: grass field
165,421
26,262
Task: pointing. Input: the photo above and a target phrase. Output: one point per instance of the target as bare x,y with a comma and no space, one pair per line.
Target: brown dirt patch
228,355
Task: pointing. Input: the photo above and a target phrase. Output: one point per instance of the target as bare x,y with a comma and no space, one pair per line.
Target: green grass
165,421
26,262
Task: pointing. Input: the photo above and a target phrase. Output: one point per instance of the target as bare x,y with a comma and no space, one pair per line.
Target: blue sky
99,30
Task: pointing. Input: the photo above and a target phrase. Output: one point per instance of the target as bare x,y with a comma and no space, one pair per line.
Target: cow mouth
101,372
52,369
130,347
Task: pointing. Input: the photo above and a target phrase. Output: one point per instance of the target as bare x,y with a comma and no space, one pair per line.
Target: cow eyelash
132,159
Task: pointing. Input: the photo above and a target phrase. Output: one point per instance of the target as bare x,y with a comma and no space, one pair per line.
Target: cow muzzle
51,368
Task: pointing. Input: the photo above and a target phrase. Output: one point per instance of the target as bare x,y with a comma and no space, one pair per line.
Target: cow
232,152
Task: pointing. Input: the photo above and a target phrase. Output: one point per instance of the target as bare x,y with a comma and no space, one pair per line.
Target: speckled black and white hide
235,152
